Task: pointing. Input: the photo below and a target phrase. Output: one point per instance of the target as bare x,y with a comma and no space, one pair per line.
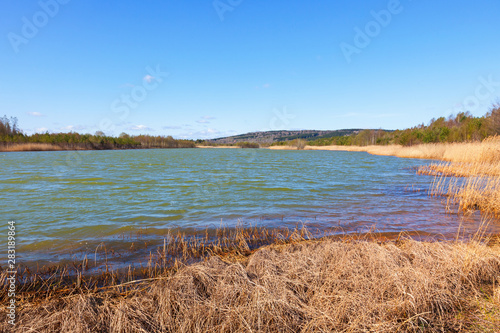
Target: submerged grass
473,182
470,194
353,284
178,249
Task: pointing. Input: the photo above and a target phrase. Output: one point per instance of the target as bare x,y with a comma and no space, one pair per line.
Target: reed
486,151
30,147
178,249
473,182
466,195
306,286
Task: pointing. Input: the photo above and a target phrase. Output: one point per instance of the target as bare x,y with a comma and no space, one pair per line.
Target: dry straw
472,182
30,147
308,286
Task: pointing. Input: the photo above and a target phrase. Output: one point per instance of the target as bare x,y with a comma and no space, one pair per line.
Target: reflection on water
65,204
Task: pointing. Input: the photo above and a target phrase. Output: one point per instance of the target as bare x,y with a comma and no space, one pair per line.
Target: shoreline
394,284
223,147
487,150
37,147
399,284
26,147
450,152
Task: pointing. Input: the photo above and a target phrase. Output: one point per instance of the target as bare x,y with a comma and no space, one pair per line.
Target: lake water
67,203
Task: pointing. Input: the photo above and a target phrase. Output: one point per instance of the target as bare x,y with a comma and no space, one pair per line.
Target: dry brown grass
30,147
472,159
469,152
479,164
461,169
469,194
487,151
178,249
479,161
314,286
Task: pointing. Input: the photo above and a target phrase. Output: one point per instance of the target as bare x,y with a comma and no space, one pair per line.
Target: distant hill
275,136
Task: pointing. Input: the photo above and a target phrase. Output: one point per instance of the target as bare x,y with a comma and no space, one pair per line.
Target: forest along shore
75,141
12,138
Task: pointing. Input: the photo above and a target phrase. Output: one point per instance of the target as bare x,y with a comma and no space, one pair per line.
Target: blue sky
213,68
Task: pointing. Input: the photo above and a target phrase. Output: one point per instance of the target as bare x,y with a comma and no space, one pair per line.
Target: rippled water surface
67,203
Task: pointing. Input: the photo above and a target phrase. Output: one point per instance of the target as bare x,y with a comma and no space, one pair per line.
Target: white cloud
35,114
148,78
171,127
263,86
140,128
41,130
384,115
347,115
67,128
365,115
212,131
205,120
72,128
209,132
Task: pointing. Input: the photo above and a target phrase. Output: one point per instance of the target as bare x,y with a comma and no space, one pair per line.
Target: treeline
11,135
148,141
243,144
247,144
8,127
462,127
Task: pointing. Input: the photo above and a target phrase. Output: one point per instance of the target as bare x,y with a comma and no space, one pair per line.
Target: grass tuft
473,182
306,286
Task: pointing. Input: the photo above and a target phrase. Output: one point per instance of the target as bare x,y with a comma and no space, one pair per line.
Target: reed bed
30,147
472,183
487,150
470,194
178,249
353,285
461,169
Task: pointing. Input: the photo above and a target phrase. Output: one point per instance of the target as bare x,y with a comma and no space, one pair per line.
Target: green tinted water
67,203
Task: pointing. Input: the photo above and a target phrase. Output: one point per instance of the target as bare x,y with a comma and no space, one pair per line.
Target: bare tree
494,120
